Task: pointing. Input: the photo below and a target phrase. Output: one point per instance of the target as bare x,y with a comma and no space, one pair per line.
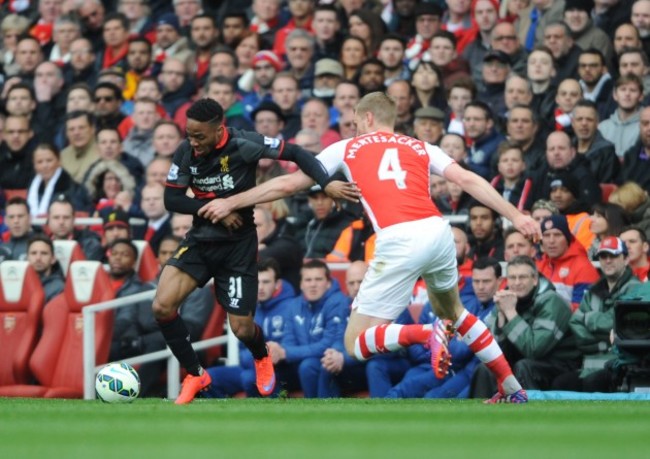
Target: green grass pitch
314,429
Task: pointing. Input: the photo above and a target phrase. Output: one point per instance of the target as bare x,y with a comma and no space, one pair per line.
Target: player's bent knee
242,327
163,310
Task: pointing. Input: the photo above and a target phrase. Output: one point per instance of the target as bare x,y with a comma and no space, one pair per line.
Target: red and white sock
385,338
480,340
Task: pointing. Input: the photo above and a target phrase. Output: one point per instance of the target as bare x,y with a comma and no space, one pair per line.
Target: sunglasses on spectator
104,98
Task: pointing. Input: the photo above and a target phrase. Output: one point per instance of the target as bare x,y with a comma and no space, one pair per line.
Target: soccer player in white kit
413,240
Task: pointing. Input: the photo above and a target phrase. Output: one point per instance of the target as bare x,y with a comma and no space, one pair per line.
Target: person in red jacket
565,262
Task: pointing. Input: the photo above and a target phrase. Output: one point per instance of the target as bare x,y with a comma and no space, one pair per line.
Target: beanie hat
583,5
270,57
568,181
560,223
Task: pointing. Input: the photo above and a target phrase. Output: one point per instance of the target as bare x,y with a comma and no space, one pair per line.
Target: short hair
117,17
117,92
586,103
481,106
463,83
634,50
512,230
395,37
533,115
127,242
229,52
488,262
80,114
220,79
543,49
18,201
67,19
546,205
638,229
40,237
269,264
141,39
447,35
593,51
212,19
327,7
627,79
50,147
297,34
235,14
524,260
476,203
206,111
24,86
380,105
61,199
508,145
111,129
563,25
168,123
26,37
317,264
82,86
171,237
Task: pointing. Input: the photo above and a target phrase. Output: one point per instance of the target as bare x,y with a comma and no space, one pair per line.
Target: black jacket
16,168
283,247
603,162
636,166
579,168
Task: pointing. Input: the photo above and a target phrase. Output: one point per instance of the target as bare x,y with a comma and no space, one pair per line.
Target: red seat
21,304
67,252
15,193
146,265
339,275
606,189
57,361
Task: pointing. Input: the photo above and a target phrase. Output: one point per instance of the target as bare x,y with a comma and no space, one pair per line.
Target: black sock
178,340
257,345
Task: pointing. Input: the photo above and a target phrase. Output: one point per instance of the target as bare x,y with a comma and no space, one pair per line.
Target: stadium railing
90,367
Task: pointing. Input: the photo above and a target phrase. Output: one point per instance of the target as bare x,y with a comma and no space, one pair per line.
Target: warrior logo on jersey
271,142
173,173
224,164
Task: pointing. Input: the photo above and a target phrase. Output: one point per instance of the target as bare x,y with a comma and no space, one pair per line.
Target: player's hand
215,210
338,189
232,221
527,226
332,361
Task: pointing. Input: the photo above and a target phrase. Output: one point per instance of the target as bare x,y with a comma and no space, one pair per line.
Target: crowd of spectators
546,99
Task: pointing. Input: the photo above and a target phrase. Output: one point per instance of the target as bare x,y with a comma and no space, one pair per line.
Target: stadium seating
67,252
146,265
21,304
17,193
606,189
57,361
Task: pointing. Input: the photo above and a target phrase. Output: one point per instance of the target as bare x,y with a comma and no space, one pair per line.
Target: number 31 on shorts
390,168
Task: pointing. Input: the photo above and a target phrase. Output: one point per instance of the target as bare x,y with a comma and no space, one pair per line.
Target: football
117,382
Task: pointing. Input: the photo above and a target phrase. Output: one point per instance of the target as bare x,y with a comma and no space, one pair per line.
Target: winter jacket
314,327
93,179
16,168
53,283
636,166
594,320
579,169
571,273
283,247
480,154
77,162
601,156
519,196
319,236
539,331
139,143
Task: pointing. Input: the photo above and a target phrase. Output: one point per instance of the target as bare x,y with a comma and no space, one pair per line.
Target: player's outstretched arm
276,188
481,190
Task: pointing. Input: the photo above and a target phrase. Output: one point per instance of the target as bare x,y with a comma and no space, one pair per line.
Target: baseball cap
433,113
496,55
315,190
116,218
328,67
612,245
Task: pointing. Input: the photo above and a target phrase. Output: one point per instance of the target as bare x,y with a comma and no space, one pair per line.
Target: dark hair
206,111
586,103
80,114
634,50
482,106
61,199
508,145
476,203
117,92
229,52
629,78
82,86
269,264
24,86
39,237
317,264
141,39
112,129
327,7
49,146
638,229
615,215
117,17
488,262
446,34
235,14
357,39
26,36
18,201
593,51
127,242
205,16
533,115
463,83
394,37
221,80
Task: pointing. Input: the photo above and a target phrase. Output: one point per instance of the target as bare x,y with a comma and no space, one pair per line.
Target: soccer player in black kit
217,162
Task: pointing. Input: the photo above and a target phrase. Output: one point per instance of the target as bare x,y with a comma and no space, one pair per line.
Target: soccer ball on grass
117,382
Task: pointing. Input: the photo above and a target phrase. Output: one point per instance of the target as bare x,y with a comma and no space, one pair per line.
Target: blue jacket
314,327
480,154
272,316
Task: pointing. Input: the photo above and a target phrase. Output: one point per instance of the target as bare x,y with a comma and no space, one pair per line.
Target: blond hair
629,196
381,106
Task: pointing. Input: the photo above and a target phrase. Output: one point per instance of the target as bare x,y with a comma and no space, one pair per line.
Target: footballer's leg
454,317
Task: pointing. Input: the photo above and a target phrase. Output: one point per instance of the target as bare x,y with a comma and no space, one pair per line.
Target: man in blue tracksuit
317,319
274,296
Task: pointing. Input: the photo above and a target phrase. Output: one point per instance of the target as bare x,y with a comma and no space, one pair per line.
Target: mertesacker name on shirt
415,144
